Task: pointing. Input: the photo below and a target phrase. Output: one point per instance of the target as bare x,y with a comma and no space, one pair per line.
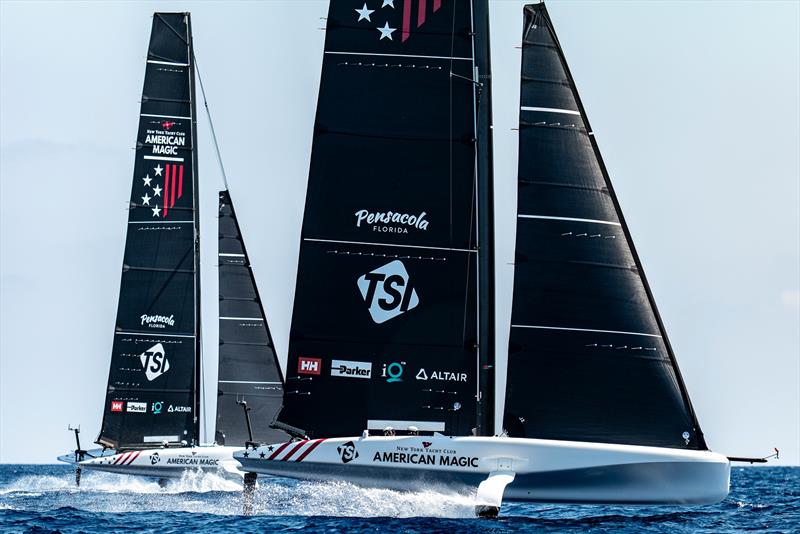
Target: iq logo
388,292
393,372
309,366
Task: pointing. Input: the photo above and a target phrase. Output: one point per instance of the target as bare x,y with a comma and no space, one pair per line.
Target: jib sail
589,358
384,324
248,367
153,382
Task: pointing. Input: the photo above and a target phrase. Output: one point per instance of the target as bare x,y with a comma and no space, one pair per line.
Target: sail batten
153,380
589,359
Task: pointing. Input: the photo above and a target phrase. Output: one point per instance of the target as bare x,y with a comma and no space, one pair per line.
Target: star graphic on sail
364,13
159,169
412,14
157,190
146,200
386,31
147,180
156,211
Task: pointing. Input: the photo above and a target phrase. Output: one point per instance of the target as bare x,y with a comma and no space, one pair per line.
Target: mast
198,359
486,283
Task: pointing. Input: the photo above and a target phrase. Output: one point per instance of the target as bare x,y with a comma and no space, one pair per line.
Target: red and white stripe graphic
127,458
312,444
173,179
422,6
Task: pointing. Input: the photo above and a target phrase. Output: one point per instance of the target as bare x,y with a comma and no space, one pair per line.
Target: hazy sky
695,106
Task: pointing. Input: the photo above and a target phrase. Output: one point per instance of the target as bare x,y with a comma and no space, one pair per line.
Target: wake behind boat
595,407
151,422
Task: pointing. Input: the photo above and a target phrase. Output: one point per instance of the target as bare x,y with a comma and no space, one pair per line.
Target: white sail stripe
231,255
550,110
573,219
245,382
397,55
167,63
164,116
583,330
387,245
160,222
241,318
154,334
163,158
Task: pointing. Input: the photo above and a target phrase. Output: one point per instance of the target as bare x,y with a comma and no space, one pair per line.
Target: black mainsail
589,358
153,384
384,328
248,366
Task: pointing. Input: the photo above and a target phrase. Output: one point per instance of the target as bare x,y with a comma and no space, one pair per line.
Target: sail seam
550,110
164,116
540,327
397,55
387,245
573,219
152,334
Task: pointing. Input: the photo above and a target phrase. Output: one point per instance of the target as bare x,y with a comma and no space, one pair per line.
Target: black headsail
589,358
384,324
248,367
153,383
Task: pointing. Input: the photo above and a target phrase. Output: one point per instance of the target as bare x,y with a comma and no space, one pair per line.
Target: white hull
161,462
504,468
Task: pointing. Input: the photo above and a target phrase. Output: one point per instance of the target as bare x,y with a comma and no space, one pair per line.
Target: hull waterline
510,469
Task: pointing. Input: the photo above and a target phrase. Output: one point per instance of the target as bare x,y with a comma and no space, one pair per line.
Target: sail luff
596,149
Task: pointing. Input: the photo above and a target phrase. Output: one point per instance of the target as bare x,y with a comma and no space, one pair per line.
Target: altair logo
388,291
154,362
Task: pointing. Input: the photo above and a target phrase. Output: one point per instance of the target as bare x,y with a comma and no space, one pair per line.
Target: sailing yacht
153,406
390,375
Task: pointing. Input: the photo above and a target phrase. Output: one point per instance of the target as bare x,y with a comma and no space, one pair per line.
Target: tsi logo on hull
388,292
154,362
351,369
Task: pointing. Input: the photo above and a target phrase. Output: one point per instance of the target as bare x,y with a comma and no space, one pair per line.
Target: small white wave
742,504
346,500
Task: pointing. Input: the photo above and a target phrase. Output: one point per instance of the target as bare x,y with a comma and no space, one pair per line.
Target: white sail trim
167,63
550,110
231,255
387,245
241,318
153,334
163,158
164,116
245,382
397,55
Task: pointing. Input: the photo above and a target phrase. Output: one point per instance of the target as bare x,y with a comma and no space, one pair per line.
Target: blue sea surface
44,498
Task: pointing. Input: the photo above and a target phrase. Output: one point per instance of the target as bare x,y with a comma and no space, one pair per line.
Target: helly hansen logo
116,406
388,291
154,361
309,366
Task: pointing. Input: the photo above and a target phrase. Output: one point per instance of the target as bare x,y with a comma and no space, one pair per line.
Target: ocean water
43,498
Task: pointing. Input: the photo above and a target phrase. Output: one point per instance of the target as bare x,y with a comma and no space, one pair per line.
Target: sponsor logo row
390,372
155,408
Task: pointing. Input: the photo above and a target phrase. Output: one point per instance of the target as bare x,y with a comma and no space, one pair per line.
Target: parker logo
388,292
309,366
347,452
157,321
137,407
154,362
391,222
117,406
351,369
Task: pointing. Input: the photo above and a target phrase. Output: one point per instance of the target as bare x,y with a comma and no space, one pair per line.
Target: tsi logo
154,458
347,451
388,292
351,369
393,372
309,366
154,362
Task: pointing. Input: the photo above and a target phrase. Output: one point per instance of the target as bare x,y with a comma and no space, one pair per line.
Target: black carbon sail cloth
384,321
248,367
152,387
589,359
